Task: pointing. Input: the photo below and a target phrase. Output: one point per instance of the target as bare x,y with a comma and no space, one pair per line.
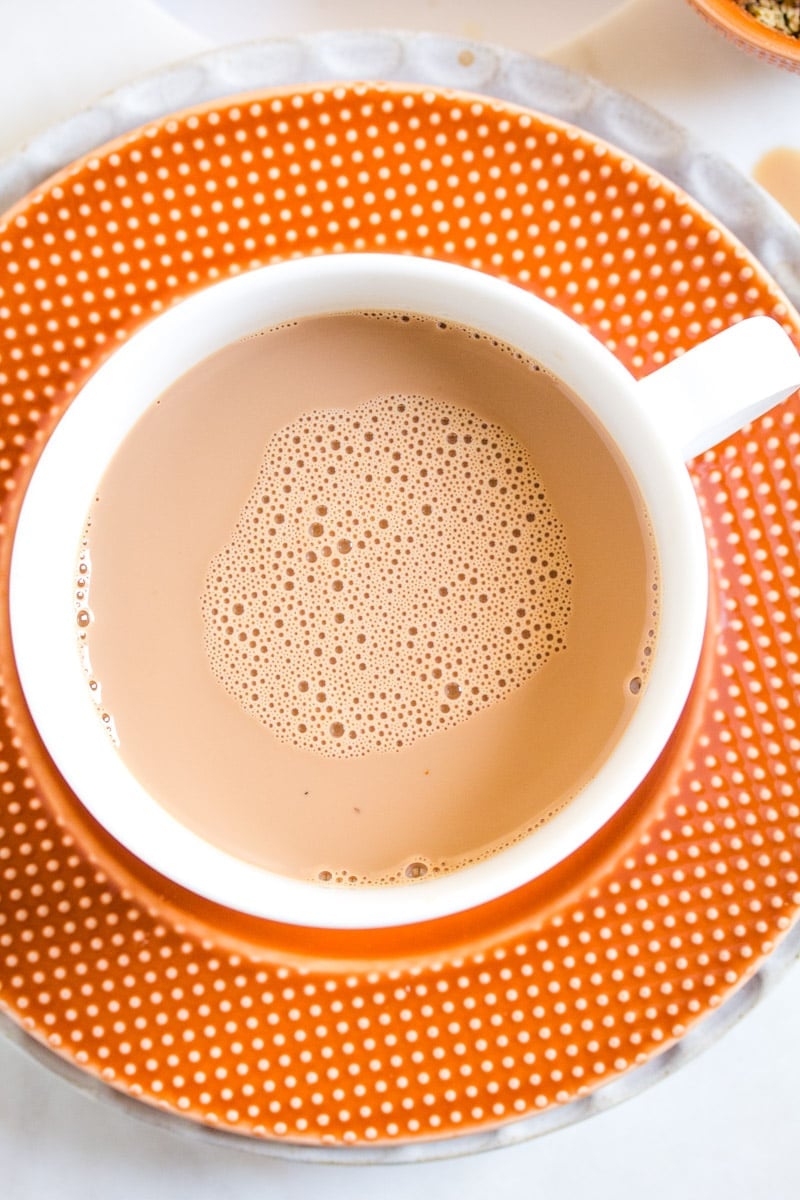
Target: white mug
656,425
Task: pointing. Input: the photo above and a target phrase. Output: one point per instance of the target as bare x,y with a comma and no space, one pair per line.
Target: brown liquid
369,598
396,569
778,172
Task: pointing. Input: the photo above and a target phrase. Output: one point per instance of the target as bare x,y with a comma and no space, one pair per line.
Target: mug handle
715,388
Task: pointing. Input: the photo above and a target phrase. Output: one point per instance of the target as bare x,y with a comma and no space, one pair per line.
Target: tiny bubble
416,870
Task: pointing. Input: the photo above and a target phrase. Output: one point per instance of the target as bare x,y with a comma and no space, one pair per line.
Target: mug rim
43,566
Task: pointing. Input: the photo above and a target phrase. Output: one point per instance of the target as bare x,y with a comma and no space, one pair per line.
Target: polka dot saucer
473,1022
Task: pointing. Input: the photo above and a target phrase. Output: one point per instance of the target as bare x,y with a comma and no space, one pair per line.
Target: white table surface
725,1125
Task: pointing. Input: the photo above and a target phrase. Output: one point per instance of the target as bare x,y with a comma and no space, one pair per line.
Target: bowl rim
740,24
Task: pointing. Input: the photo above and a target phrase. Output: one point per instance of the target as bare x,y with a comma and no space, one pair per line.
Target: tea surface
368,597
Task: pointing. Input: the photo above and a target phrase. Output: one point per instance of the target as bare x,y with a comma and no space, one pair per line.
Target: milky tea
366,597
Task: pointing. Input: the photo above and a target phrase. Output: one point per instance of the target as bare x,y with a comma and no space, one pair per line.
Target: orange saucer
490,1017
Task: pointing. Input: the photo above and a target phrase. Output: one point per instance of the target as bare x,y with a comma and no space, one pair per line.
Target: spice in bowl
769,29
781,15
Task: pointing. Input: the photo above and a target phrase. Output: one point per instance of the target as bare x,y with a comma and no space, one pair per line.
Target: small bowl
748,33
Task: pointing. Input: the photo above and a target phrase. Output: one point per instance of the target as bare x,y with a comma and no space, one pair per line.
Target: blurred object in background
768,28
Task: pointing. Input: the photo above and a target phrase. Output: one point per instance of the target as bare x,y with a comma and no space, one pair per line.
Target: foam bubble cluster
397,568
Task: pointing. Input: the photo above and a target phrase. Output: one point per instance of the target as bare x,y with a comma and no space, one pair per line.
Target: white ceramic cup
656,424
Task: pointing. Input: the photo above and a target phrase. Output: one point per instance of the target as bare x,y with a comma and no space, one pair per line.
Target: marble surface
726,1123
